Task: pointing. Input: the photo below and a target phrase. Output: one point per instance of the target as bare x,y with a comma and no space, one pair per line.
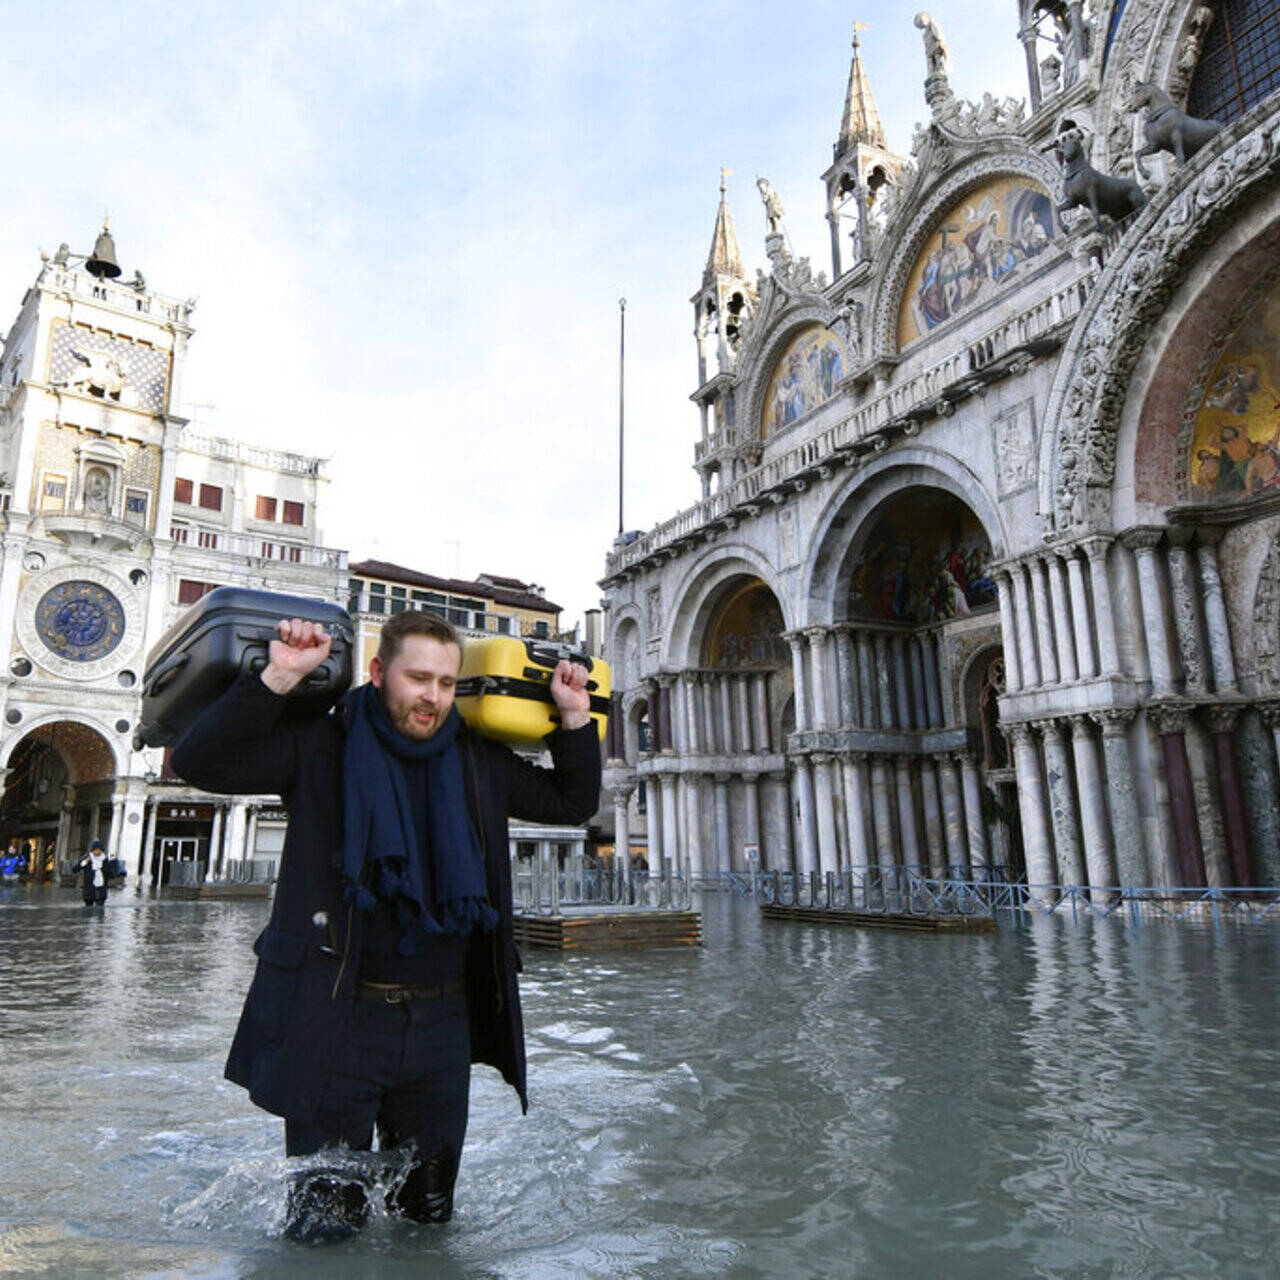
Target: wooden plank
877,920
616,928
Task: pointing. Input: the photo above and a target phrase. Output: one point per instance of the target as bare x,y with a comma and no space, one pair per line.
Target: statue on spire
935,47
773,210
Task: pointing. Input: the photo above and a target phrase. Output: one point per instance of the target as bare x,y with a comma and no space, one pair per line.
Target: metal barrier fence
539,888
187,875
904,892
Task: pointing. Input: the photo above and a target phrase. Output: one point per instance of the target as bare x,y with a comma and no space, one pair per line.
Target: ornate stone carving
1192,42
1266,623
1136,284
1168,716
1113,720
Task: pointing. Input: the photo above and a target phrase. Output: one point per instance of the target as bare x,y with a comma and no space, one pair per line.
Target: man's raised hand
569,692
297,651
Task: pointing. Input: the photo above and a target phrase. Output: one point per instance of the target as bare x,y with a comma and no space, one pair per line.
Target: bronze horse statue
1085,186
1166,128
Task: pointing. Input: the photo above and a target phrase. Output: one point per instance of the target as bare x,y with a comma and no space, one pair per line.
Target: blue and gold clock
80,621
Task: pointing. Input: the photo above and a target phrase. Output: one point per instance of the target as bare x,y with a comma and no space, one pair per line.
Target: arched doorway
58,793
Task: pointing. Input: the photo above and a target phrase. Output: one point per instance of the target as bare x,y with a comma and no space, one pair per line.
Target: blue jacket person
388,965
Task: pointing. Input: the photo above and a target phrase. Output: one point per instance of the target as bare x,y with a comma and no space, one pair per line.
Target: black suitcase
223,634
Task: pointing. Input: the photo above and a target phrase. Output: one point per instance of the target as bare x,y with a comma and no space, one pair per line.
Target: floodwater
1053,1100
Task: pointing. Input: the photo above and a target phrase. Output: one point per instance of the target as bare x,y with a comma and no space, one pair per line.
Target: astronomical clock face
79,623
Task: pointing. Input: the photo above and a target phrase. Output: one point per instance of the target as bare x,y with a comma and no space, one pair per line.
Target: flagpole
622,372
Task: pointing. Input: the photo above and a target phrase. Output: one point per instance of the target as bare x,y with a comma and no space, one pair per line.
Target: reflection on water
1060,1099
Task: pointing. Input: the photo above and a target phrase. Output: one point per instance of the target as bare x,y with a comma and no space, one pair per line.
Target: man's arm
568,792
237,745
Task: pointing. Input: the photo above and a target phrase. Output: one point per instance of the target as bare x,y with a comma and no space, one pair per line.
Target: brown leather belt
404,992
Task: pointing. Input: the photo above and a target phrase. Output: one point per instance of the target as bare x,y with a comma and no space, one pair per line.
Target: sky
408,225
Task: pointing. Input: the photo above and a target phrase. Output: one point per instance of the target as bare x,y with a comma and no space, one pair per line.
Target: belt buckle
397,995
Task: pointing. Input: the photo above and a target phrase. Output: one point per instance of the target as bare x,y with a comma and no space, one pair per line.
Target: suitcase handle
164,677
550,654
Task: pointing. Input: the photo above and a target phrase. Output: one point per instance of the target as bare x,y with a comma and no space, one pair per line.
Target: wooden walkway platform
591,928
880,920
212,892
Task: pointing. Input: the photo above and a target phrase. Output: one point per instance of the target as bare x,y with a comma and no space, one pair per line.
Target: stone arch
1010,159
849,515
626,644
1157,254
86,750
699,591
981,704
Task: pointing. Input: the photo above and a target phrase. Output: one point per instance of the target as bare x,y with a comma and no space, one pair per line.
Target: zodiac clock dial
80,621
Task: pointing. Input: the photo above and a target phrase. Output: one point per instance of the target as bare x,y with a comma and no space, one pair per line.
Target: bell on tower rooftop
861,119
102,261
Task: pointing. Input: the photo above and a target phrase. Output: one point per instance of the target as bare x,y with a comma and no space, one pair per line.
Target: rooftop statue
935,47
1085,187
1166,128
773,210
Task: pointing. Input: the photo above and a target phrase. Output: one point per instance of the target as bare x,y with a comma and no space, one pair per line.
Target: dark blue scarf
379,844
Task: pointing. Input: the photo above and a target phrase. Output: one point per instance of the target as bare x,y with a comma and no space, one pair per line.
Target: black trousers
403,1070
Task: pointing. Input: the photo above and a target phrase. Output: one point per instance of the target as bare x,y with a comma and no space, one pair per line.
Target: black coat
304,985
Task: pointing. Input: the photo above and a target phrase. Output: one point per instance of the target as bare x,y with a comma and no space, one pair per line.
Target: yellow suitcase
504,687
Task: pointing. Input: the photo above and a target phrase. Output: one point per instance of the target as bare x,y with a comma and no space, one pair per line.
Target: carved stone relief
1014,441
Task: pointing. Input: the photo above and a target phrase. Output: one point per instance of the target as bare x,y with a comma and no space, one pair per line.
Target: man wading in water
388,965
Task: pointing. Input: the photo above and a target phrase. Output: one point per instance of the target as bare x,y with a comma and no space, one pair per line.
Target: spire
861,120
724,258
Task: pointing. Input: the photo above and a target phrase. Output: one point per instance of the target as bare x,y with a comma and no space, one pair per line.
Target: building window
265,508
540,630
189,591
179,532
267,550
503,624
1240,63
377,597
183,491
211,497
53,493
293,512
208,539
354,586
398,602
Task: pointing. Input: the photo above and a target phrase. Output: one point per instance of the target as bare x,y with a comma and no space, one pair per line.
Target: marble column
825,805
251,833
1215,612
786,860
1008,631
146,863
1062,804
907,826
932,680
706,702
653,823
679,717
975,823
622,841
671,850
1104,619
760,712
807,857
1044,623
1222,724
901,681
919,709
1024,628
731,741
848,712
694,744
724,860
857,806
1204,786
694,861
1086,654
1170,722
1032,806
866,680
953,816
751,815
884,680
796,640
1093,805
213,866
931,803
743,700
1186,621
667,742
1067,668
1142,542
1132,870
882,817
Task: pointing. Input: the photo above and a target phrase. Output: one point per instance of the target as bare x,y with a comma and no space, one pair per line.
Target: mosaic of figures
983,244
748,632
1235,444
804,377
925,561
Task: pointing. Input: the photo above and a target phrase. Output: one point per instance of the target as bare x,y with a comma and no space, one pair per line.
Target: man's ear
375,671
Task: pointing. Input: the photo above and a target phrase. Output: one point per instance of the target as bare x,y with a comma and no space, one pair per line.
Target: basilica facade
116,514
984,578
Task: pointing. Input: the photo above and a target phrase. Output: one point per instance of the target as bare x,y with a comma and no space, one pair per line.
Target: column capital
1180,536
795,638
1143,538
1079,726
666,679
1052,728
1113,721
1269,710
816,632
1168,715
1222,716
1209,536
820,757
1097,547
621,795
1019,733
721,779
